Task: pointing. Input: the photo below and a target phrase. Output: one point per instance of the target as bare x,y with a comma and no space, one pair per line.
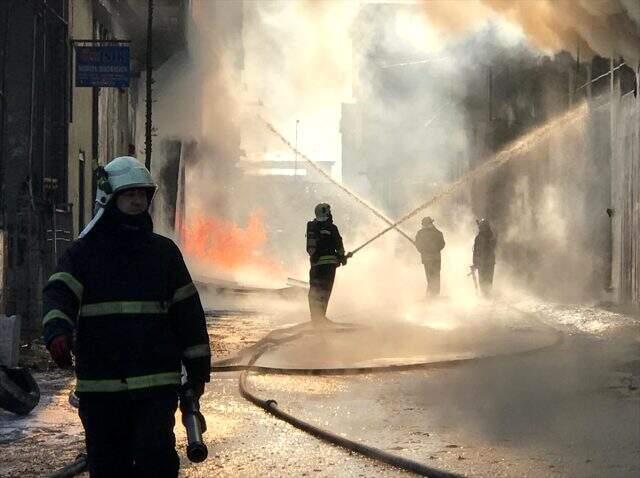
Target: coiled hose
271,406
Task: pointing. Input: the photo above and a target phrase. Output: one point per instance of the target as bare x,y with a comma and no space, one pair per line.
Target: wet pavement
443,334
49,437
570,410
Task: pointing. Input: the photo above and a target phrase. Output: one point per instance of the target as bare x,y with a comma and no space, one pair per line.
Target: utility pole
149,81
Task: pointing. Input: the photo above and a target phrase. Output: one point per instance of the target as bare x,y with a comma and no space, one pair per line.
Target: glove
343,259
60,350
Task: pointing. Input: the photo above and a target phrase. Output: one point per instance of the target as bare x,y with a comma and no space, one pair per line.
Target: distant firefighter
484,256
326,253
429,242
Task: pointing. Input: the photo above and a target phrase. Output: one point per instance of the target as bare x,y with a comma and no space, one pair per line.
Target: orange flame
222,245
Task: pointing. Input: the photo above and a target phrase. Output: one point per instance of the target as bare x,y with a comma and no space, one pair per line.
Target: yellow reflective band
56,314
195,351
70,281
112,308
184,292
129,383
326,260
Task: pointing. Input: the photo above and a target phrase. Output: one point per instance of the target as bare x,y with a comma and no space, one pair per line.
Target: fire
222,245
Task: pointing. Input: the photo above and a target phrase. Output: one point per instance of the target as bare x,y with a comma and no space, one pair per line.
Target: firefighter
429,242
137,317
484,256
326,254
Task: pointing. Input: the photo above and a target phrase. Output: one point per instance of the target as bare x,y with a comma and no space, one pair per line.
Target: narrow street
570,410
360,238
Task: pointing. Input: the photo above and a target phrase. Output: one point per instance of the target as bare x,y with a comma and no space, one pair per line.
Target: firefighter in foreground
484,256
429,242
326,253
137,317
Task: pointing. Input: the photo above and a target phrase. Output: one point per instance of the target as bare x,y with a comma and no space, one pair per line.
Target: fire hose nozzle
197,452
194,424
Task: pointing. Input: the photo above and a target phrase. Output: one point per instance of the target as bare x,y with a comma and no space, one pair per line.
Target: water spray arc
351,194
509,152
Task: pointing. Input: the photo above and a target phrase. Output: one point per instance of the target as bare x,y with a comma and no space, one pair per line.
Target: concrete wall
625,199
33,156
549,211
550,207
9,340
116,130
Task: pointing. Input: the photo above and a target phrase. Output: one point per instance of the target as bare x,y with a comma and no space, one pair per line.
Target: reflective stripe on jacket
331,259
324,243
135,310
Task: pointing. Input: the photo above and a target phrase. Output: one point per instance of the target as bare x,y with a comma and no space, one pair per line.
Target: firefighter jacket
324,243
484,248
429,242
137,315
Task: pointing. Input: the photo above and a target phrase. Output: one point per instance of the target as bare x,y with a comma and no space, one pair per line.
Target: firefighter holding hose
430,242
326,254
484,255
128,296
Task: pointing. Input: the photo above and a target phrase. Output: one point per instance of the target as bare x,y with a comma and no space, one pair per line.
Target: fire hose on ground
279,337
72,469
271,406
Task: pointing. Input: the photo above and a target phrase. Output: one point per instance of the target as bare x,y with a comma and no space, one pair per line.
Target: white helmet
124,172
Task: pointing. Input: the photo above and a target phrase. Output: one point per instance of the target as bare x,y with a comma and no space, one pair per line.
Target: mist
399,103
416,74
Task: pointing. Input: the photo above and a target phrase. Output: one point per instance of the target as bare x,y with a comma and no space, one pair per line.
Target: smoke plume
609,28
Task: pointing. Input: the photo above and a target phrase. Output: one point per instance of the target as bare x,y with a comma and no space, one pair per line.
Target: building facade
53,133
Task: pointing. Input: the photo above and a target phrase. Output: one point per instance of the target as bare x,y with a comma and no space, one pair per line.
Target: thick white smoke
604,27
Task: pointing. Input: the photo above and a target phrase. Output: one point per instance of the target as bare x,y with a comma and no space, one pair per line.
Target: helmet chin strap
92,223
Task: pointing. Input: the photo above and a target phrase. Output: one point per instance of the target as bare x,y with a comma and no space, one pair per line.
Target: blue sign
102,66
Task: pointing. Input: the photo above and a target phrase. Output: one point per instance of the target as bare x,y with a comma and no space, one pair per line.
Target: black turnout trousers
130,437
321,280
432,272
